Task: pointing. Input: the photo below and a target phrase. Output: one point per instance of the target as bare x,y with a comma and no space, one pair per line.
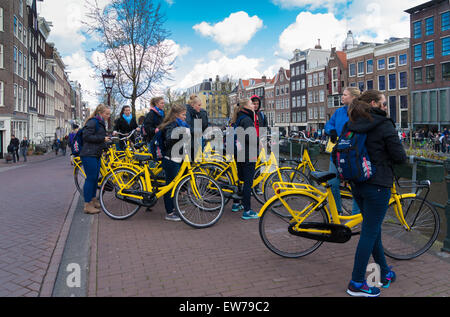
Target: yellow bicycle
198,199
300,217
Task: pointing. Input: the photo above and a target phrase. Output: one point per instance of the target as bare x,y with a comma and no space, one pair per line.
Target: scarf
182,123
127,119
160,111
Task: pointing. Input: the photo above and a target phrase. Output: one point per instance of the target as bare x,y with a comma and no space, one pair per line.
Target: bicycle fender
286,193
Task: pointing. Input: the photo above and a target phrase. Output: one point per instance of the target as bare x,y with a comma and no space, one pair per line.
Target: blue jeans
171,170
335,189
91,166
374,201
246,173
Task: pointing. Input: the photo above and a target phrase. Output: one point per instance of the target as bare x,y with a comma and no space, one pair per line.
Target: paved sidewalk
148,256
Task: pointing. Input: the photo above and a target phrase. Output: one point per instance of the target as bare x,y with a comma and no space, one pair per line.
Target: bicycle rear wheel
113,204
424,223
276,219
200,211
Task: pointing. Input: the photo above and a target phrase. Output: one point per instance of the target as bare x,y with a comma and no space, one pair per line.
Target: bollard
446,247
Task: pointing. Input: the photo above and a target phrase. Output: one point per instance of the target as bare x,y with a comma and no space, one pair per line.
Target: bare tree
134,44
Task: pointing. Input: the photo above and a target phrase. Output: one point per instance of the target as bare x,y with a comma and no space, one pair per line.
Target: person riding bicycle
367,114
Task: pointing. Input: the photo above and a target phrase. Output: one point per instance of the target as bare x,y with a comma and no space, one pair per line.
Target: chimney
318,46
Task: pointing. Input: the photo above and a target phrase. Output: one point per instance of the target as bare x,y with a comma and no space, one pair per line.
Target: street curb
92,278
53,268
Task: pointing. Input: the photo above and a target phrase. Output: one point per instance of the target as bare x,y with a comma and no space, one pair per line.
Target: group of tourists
363,113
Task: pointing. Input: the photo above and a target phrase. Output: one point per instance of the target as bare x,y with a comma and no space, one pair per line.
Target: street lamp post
108,82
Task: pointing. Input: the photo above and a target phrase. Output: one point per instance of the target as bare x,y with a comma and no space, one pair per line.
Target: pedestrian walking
13,148
195,112
94,138
124,125
367,114
437,142
64,144
245,117
171,162
57,145
24,148
333,128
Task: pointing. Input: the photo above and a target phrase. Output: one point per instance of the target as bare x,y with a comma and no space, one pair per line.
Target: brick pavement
35,198
148,256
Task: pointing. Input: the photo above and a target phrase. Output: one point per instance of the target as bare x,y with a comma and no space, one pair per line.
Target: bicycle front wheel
113,204
203,208
79,178
424,224
276,219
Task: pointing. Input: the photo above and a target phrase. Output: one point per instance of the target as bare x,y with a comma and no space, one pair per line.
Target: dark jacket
166,135
94,134
383,145
121,125
191,116
152,120
15,143
246,120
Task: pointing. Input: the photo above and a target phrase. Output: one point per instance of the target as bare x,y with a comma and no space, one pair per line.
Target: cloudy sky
238,38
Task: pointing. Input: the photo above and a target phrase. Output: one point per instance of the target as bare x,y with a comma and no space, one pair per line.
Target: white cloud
80,69
275,67
238,67
234,32
310,4
307,29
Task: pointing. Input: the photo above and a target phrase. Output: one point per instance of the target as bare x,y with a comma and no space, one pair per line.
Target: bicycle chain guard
339,233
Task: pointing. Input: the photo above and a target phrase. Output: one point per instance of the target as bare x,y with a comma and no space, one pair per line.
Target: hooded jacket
383,145
337,121
94,134
262,118
151,122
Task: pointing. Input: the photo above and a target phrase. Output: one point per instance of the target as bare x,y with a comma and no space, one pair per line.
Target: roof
342,57
424,6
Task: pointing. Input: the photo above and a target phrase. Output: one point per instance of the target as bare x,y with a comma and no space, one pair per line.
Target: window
369,84
391,62
321,78
369,65
361,86
418,75
403,78
2,94
352,68
403,102
429,26
360,68
21,8
446,46
15,25
402,60
20,70
15,59
16,105
418,53
1,20
381,64
392,81
445,71
417,26
445,21
393,108
429,50
322,96
381,83
1,56
429,74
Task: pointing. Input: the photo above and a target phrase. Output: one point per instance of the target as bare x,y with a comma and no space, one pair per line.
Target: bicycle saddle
142,158
322,177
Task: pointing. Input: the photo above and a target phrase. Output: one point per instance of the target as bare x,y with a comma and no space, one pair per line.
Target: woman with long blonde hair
94,138
333,128
171,162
